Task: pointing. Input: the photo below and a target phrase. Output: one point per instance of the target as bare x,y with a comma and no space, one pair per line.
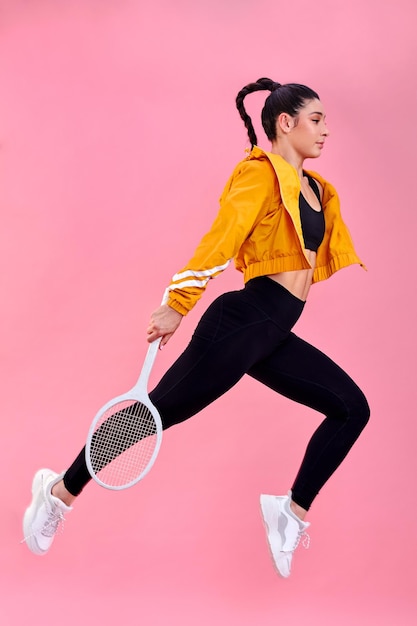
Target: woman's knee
358,409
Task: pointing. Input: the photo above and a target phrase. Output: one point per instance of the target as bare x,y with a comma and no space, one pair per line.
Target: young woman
282,226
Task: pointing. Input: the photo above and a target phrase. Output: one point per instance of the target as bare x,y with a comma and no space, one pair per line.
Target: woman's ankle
298,510
61,492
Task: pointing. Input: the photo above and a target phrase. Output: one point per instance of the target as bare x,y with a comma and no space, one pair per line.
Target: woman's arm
246,198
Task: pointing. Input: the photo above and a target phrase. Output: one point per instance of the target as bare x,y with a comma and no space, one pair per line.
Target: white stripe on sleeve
201,273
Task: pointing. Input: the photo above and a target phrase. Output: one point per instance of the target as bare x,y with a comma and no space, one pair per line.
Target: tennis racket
125,435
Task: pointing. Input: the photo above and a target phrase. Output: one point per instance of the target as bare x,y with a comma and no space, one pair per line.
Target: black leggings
249,332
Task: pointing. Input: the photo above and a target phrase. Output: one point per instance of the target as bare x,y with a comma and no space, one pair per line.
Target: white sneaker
44,514
284,531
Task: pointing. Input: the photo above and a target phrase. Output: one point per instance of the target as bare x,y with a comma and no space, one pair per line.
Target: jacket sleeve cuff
177,306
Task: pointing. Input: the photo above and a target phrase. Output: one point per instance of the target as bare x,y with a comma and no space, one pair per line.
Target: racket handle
148,363
151,355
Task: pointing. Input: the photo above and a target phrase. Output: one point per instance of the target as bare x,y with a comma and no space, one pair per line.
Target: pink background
117,133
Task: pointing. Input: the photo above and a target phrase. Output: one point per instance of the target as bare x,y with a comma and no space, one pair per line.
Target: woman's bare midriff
298,282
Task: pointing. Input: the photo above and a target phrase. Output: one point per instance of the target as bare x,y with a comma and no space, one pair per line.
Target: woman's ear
285,123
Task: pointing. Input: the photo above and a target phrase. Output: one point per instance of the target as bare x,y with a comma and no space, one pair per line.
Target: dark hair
289,98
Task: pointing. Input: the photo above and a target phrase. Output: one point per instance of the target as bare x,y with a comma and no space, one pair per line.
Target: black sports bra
312,221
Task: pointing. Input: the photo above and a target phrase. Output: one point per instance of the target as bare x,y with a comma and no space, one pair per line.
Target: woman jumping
282,226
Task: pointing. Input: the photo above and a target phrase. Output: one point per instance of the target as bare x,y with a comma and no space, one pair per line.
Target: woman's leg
231,336
302,373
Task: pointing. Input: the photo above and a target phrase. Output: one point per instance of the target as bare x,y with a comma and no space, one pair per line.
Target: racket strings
123,442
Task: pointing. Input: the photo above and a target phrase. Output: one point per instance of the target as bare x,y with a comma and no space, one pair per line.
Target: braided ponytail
289,98
261,84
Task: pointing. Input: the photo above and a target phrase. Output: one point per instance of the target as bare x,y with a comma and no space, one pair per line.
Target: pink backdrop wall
117,133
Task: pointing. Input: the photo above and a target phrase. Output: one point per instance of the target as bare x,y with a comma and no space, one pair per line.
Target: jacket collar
289,186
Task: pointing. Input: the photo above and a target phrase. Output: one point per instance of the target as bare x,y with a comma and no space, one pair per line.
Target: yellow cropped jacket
258,225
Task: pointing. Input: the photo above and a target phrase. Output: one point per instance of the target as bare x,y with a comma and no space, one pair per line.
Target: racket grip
151,354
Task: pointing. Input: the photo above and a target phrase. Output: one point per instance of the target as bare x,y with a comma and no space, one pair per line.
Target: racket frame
138,393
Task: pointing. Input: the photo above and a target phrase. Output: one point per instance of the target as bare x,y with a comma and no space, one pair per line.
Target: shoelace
304,539
50,527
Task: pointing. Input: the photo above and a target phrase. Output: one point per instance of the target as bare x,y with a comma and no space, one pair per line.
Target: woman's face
307,132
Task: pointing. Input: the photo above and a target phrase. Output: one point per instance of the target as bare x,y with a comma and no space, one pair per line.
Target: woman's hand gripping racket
126,434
